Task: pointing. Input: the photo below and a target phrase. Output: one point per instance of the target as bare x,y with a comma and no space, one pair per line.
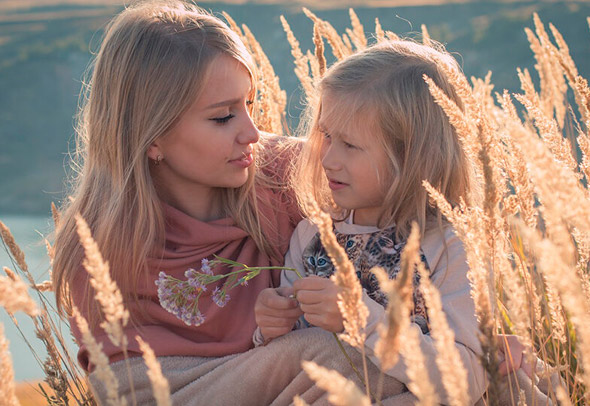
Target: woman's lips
244,161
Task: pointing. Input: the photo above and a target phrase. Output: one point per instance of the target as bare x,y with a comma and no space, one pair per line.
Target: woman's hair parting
383,90
154,58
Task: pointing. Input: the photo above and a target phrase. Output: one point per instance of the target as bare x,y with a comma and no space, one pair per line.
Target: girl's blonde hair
382,89
152,64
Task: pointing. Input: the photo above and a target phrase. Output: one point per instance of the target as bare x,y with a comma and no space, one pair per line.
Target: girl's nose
330,160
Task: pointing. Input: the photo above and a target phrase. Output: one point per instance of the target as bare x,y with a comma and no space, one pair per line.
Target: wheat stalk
7,390
107,293
341,392
100,361
14,295
160,386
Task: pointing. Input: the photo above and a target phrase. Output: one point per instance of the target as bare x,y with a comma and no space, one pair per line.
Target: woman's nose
249,134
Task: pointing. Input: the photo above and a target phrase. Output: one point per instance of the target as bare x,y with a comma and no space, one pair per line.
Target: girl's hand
512,356
275,312
318,298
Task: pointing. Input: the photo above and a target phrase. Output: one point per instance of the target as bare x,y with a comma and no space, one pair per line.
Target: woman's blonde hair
382,89
152,64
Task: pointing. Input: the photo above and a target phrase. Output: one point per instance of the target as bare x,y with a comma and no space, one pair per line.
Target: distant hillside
45,48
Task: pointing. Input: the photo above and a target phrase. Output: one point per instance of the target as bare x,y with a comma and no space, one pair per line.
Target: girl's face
211,145
354,163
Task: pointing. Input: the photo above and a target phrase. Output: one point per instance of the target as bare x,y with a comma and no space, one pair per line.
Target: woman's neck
201,203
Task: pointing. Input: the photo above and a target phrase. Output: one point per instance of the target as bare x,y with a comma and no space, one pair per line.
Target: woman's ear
154,151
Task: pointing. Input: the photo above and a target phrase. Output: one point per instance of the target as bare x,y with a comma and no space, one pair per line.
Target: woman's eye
348,145
223,120
326,135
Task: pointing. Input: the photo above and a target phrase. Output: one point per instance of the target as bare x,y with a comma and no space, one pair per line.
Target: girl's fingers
310,297
319,308
270,298
312,282
293,313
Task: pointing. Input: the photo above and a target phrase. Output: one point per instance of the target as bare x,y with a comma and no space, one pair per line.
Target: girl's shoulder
305,231
445,253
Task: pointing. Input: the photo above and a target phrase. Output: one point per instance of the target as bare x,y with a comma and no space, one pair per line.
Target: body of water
29,232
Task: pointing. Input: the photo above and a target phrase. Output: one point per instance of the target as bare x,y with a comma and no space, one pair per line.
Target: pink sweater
226,330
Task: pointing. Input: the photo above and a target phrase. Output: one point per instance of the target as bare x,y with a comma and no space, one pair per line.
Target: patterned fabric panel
366,251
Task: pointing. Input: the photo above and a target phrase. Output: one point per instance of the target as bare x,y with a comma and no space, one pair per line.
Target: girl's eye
326,135
223,120
347,145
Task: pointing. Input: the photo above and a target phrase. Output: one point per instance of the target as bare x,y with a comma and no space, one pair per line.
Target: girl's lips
334,185
244,161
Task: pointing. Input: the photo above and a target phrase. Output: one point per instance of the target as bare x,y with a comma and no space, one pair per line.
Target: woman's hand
317,299
276,312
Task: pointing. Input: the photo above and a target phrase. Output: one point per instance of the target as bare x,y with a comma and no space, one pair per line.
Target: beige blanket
269,375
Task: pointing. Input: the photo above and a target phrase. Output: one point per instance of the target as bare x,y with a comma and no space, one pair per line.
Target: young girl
375,135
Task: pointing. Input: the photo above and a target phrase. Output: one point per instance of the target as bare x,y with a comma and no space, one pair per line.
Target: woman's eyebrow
224,103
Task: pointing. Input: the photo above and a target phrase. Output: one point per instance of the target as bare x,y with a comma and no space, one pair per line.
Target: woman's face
211,145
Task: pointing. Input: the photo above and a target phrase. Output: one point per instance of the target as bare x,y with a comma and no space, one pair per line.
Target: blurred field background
45,47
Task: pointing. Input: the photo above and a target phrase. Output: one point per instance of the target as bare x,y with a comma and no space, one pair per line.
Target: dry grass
526,236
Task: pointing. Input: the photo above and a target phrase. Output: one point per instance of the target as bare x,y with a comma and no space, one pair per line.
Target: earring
159,159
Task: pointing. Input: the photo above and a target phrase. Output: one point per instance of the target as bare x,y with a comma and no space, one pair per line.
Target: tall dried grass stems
419,381
269,112
464,125
399,296
100,361
160,386
557,188
301,62
106,291
7,388
62,375
319,51
527,242
15,251
560,275
350,300
341,391
14,295
357,33
448,359
339,50
425,35
547,126
55,375
54,214
314,66
395,334
469,224
553,86
379,33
